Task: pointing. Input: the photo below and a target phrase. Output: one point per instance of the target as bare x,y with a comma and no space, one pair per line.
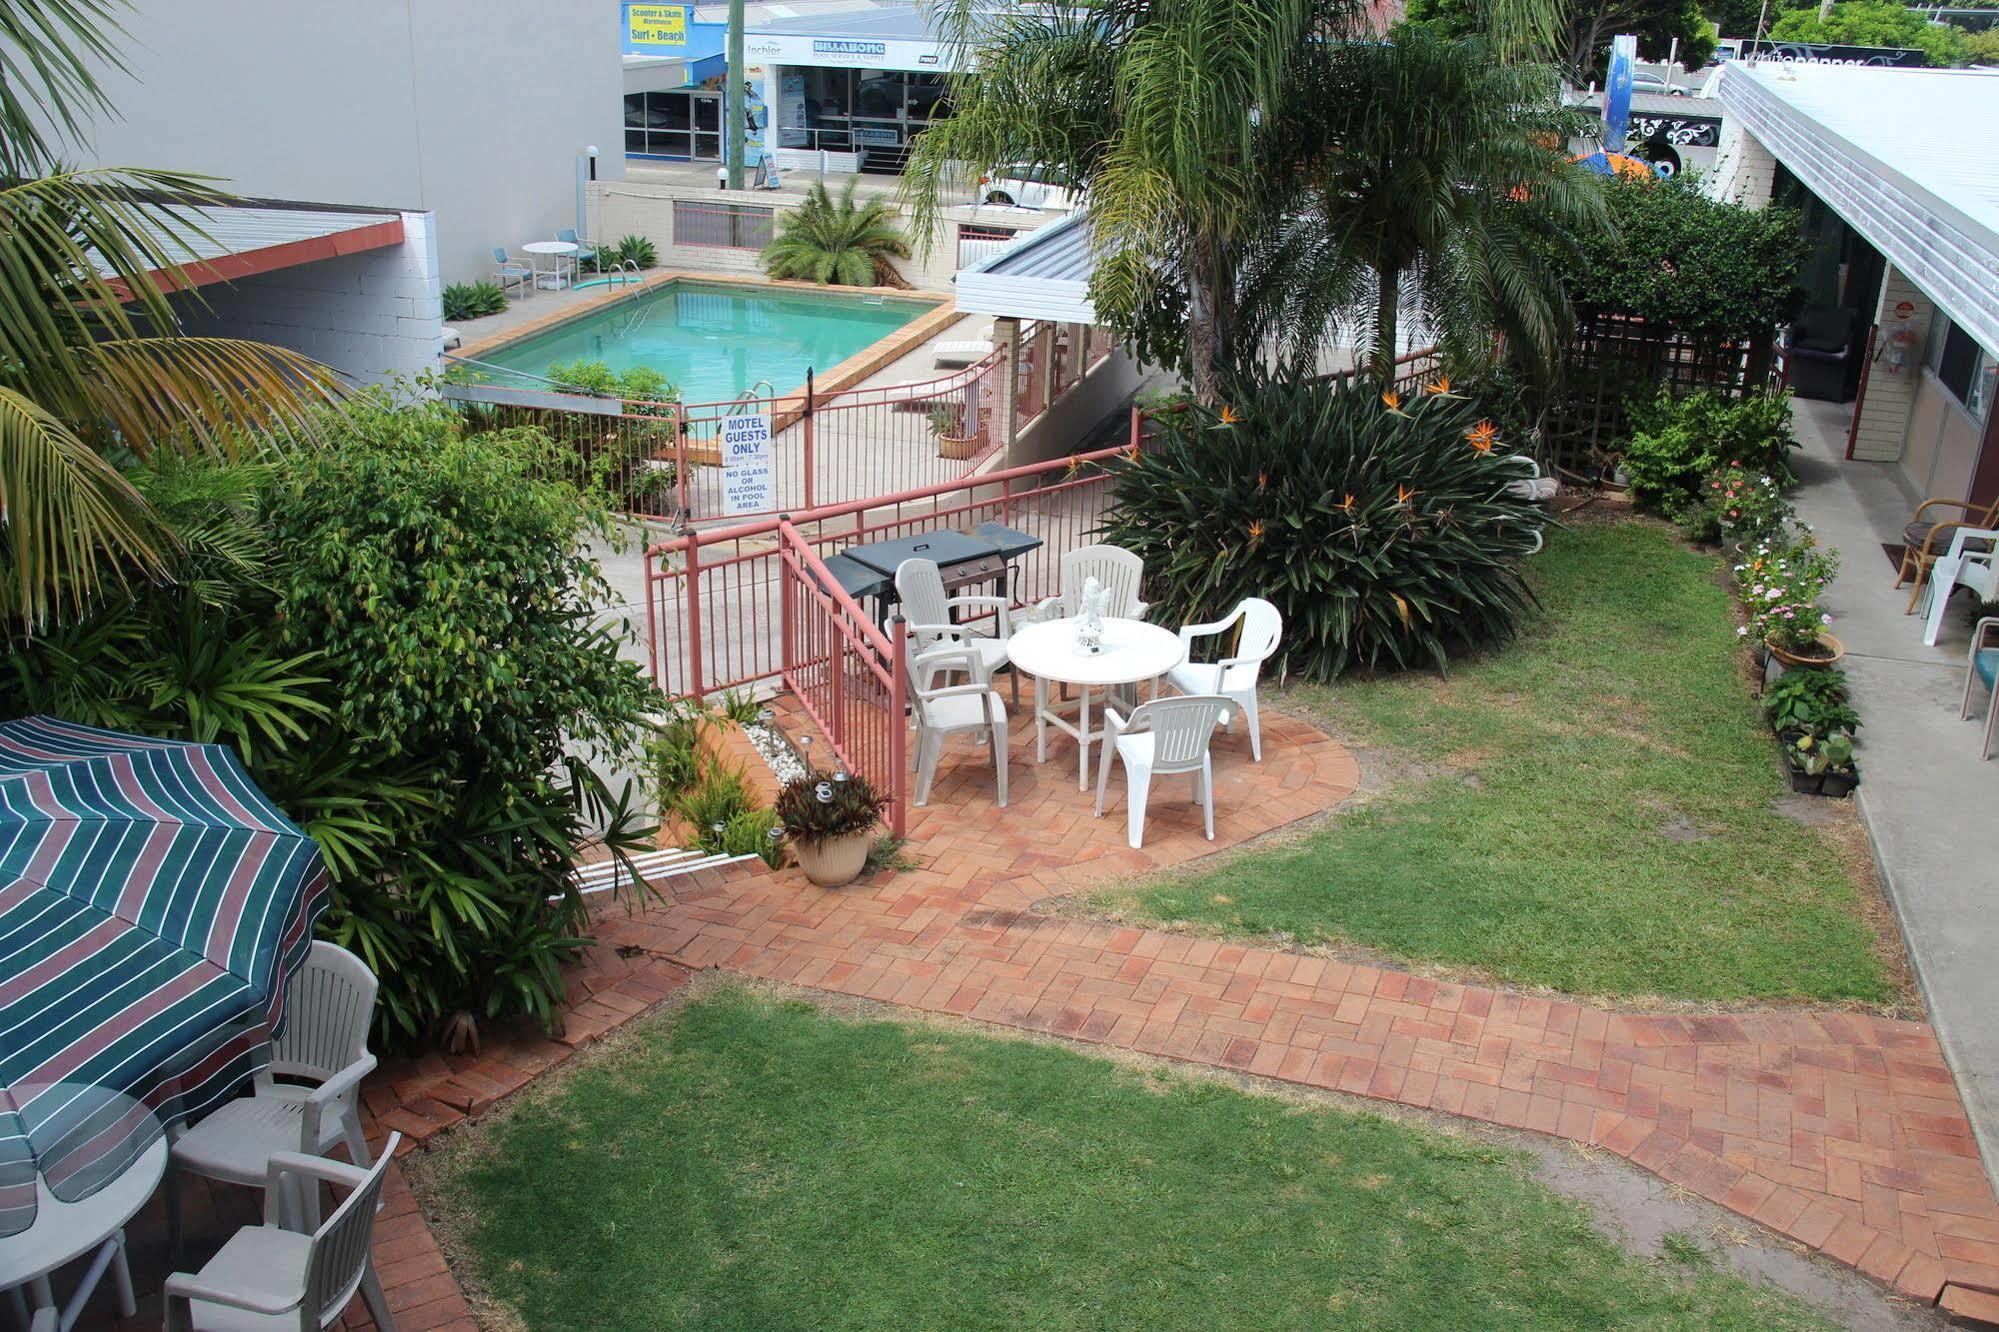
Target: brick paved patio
1842,1131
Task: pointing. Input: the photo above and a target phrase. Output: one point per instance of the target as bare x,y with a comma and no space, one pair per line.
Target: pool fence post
692,568
811,442
898,728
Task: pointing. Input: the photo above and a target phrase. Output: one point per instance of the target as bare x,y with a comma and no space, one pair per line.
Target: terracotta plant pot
957,448
1828,651
836,860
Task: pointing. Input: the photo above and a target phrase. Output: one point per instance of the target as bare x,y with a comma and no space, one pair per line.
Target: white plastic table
65,1231
1133,651
558,275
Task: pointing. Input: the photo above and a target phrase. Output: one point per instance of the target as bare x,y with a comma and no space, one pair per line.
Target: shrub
449,590
749,833
821,806
472,300
635,250
838,241
638,384
1736,503
1810,698
676,753
720,793
1676,442
1381,528
626,468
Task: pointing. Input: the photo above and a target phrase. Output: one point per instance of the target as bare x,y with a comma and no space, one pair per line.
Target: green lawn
753,1163
1592,809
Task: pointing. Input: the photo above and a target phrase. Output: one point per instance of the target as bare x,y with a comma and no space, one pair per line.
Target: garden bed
1593,809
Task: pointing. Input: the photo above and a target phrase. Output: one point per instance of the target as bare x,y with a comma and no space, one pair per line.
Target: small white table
65,1231
1133,651
562,251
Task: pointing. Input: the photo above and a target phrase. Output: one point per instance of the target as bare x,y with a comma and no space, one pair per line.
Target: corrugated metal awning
264,235
1044,274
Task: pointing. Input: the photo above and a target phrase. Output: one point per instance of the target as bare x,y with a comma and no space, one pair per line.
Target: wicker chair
1924,540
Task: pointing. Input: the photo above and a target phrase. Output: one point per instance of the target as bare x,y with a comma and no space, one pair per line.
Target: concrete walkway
1925,794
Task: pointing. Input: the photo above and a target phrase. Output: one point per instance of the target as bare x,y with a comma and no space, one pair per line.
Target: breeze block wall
375,316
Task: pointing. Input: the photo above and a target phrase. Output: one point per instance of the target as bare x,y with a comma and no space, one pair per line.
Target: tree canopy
1585,28
1873,23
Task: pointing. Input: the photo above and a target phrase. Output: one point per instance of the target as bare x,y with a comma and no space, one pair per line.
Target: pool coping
841,375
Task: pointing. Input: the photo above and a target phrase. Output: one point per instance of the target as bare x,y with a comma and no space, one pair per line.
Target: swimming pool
714,341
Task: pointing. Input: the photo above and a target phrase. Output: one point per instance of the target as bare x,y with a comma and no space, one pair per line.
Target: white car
1024,185
1642,82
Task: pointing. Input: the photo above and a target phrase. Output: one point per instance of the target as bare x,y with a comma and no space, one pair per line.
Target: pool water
713,342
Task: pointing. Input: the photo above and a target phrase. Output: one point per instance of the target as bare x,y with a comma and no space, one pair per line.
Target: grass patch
754,1163
1595,812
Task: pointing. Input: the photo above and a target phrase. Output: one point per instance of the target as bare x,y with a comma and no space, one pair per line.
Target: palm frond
47,87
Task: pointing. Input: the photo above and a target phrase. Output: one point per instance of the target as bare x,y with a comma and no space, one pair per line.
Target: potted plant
947,421
1780,583
1822,764
830,820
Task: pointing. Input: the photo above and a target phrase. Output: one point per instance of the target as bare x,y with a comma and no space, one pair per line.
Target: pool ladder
640,308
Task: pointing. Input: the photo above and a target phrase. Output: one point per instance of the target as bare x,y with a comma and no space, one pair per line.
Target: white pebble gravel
776,751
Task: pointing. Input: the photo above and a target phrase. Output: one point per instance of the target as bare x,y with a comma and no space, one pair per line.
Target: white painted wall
474,110
373,316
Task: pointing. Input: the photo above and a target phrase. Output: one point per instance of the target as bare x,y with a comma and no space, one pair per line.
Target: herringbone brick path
1842,1131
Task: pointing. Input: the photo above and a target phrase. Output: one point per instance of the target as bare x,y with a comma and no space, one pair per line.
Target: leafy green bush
1873,23
639,384
676,754
1738,503
1382,529
1810,697
1677,442
1780,583
719,794
472,300
748,834
635,250
628,466
450,591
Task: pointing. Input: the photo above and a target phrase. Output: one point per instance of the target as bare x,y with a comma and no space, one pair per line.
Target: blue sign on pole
1617,91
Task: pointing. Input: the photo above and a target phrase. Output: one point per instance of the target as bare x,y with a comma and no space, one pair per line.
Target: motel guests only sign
748,484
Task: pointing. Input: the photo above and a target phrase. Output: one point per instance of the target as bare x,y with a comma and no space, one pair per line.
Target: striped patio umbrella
153,903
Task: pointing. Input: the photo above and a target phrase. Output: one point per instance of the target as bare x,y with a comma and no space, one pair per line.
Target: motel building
1900,197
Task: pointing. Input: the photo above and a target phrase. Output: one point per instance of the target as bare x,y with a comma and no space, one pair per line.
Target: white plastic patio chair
1983,665
1971,562
1115,569
945,710
1162,737
1234,676
505,270
927,612
329,1006
292,1273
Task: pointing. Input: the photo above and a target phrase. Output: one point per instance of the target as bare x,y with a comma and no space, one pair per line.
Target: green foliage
1677,443
1685,263
846,243
1780,583
1810,697
450,591
472,300
636,384
1873,23
747,1137
741,707
677,752
720,792
626,467
1982,48
1582,39
1384,534
635,250
750,832
1440,185
1815,754
821,806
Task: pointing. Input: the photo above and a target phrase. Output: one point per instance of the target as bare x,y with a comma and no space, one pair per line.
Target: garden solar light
825,792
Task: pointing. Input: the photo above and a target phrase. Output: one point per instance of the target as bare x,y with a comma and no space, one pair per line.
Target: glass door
707,107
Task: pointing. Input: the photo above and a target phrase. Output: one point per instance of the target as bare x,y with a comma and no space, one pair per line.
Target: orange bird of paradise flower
1229,417
1483,436
1403,494
1441,387
1392,400
1256,531
1347,504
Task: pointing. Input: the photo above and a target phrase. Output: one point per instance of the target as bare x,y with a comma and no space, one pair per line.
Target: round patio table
1133,652
62,1231
557,275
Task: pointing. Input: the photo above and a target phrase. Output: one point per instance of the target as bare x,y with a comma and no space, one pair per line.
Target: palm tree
846,243
1433,176
92,367
1175,118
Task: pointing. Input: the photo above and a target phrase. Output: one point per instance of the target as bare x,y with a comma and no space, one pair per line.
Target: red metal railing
847,672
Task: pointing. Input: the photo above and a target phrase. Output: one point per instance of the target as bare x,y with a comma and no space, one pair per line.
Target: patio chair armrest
186,1286
1139,608
1193,631
1001,605
1115,722
945,630
1988,625
324,1169
1959,535
336,1088
958,691
1929,504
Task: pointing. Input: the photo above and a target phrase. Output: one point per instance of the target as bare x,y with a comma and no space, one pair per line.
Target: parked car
1655,85
1025,185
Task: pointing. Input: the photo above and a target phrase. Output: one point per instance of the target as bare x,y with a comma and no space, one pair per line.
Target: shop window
1964,369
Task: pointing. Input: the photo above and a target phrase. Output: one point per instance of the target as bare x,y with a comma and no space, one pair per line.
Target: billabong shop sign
1823,53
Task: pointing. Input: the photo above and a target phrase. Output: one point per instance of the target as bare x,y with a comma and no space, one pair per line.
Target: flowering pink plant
1780,585
1746,504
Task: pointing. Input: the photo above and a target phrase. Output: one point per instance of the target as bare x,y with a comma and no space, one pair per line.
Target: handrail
790,537
576,389
749,395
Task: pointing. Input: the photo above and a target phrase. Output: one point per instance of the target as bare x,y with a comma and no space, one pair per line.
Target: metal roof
1900,155
262,235
1043,274
899,22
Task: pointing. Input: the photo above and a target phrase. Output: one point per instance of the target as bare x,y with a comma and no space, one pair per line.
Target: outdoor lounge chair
962,352
293,1273
586,252
329,1007
1824,353
505,270
1164,736
1924,541
1234,676
1983,665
